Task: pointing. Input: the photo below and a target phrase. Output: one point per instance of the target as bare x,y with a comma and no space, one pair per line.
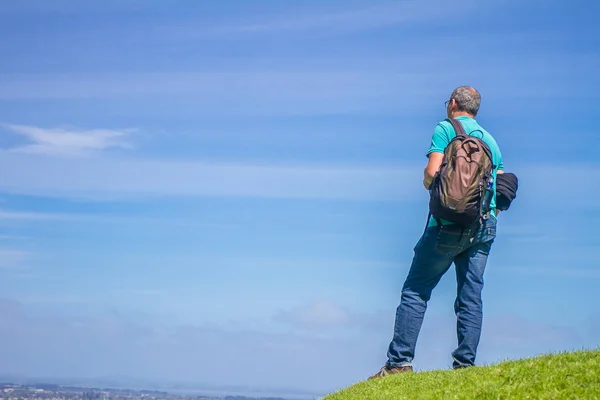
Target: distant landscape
44,391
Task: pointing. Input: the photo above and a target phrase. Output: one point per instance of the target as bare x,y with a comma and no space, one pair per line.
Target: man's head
464,100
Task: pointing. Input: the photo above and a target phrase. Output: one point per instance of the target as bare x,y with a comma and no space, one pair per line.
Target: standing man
444,243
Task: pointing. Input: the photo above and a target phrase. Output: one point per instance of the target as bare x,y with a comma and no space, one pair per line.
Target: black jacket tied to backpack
507,185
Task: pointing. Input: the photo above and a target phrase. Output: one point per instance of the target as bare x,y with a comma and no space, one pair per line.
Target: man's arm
433,166
439,141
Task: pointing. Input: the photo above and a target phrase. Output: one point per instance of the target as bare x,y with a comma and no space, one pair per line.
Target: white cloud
307,85
116,344
69,142
111,178
223,88
120,178
512,337
568,271
18,215
319,314
65,7
345,17
141,292
12,258
387,14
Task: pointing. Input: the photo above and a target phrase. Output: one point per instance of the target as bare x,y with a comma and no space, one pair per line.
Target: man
441,245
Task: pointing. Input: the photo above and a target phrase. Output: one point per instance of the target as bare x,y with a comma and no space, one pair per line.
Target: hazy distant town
9,391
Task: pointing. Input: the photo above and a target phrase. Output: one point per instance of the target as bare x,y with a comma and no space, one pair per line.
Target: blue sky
228,193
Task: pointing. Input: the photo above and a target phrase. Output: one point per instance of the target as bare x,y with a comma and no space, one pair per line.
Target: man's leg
470,267
433,256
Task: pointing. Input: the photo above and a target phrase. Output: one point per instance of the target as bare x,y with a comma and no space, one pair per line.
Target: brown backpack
461,190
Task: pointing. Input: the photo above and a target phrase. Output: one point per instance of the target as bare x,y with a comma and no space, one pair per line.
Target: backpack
462,189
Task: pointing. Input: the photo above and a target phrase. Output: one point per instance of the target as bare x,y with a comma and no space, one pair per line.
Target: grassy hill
574,375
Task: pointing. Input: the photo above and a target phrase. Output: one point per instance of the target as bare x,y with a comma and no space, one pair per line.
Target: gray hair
467,99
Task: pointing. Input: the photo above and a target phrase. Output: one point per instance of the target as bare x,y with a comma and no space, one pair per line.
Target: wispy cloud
61,7
387,14
309,84
68,142
113,178
568,271
141,292
18,215
309,18
266,85
117,344
120,178
319,314
514,336
12,258
533,233
348,17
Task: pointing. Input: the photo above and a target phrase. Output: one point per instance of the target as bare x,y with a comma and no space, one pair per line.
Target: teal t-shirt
444,133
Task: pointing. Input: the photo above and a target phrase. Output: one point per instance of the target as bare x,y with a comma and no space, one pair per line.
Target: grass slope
574,375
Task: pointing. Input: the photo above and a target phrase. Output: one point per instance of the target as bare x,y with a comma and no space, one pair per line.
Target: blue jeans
434,253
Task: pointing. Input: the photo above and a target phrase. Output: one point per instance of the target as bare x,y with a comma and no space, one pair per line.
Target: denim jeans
435,252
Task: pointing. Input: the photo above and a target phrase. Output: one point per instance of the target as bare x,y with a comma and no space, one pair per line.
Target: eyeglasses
447,102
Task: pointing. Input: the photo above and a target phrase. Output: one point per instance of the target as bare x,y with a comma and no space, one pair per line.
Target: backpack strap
460,131
458,127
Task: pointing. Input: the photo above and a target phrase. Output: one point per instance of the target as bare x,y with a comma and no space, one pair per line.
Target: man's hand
433,166
427,183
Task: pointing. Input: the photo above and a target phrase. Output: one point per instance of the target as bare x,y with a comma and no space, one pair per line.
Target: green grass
574,375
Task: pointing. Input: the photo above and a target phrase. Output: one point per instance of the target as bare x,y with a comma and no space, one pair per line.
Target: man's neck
461,114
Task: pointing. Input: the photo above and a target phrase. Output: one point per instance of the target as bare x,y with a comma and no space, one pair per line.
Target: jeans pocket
448,241
488,233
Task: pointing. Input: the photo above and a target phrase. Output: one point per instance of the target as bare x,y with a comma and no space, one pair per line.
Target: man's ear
454,106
